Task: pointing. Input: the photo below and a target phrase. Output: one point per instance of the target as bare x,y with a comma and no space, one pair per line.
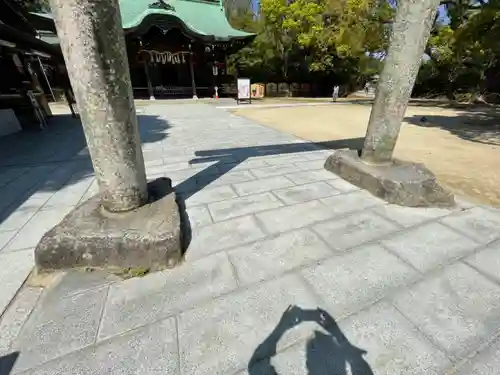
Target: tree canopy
344,41
464,52
33,5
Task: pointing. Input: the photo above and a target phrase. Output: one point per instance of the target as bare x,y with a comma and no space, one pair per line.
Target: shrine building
176,48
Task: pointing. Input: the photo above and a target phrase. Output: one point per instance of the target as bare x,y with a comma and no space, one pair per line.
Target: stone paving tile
58,328
136,302
354,230
393,345
152,154
430,245
36,201
410,216
179,166
273,170
71,194
220,337
9,174
294,217
262,185
16,267
487,261
5,237
304,193
199,216
355,201
228,178
342,185
177,177
351,282
210,195
73,282
223,235
20,189
277,255
377,341
487,362
310,165
286,159
39,224
298,360
16,315
457,308
147,351
243,206
478,223
306,177
315,155
153,163
175,173
16,220
253,162
91,191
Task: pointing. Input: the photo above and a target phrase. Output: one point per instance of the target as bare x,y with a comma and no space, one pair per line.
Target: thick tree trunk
92,41
410,32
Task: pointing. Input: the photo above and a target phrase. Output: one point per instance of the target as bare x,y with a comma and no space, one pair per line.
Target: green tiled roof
205,19
201,17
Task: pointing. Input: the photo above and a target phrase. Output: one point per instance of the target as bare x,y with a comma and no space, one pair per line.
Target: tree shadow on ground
229,158
48,160
481,125
7,363
424,102
226,160
328,352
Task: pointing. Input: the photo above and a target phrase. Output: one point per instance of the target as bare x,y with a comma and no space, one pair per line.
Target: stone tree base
148,237
401,183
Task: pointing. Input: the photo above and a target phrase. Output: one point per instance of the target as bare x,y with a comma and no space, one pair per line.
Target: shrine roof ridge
204,19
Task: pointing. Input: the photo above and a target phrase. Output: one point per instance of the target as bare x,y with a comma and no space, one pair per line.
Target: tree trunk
92,41
410,32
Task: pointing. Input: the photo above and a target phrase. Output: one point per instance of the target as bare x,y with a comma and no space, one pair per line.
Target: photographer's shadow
328,352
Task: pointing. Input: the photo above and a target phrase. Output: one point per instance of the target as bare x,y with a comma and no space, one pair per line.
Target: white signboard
244,89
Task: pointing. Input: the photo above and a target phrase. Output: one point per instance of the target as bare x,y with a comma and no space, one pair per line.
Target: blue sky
443,17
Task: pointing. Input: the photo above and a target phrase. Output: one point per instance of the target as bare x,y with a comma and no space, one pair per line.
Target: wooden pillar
42,69
148,78
191,70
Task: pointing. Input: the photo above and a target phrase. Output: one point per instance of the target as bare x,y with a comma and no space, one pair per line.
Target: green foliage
316,38
242,19
33,5
343,40
464,53
128,273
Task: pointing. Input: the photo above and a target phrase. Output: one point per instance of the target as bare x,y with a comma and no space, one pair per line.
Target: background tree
463,52
33,5
330,41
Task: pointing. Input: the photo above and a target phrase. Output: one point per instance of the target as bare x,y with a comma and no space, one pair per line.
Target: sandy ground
461,146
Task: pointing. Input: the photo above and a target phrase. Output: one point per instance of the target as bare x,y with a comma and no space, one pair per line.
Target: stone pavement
289,269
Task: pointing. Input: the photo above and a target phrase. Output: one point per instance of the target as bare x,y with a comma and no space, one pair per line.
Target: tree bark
92,41
411,28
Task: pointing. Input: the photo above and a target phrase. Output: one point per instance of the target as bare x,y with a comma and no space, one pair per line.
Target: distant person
335,94
367,88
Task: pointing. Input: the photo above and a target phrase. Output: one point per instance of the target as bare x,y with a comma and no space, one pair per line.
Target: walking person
335,94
